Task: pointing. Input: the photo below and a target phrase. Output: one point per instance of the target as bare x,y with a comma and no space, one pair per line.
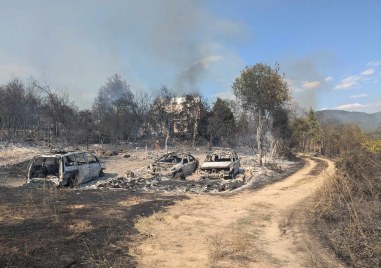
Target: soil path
253,228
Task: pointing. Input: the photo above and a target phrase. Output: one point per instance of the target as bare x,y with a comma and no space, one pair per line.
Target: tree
12,97
203,123
244,130
314,132
115,110
58,111
85,127
260,89
161,114
221,124
280,132
114,89
307,133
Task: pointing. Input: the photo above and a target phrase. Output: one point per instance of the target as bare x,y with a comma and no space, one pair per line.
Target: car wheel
101,173
180,175
231,175
73,181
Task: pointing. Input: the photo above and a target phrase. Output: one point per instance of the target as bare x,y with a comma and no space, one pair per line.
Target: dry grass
14,154
79,226
242,245
146,225
347,212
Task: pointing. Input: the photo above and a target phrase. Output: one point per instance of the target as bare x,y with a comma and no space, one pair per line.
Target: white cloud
354,80
358,96
348,82
374,63
328,78
351,106
311,84
367,72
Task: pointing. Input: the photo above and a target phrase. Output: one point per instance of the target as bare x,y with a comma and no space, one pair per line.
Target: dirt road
253,228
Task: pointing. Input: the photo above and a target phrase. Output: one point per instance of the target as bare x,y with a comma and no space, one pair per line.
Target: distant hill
367,122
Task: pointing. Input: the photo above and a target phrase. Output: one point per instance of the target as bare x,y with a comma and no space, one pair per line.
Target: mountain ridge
367,122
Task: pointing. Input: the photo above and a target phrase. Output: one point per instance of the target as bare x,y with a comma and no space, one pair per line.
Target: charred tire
180,175
73,182
101,173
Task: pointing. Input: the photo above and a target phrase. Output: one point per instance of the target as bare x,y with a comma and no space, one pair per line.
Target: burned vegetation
60,228
90,220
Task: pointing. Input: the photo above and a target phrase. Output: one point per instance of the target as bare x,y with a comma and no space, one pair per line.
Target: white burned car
220,164
174,165
65,168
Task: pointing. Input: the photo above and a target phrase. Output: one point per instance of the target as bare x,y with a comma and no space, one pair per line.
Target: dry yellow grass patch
146,225
77,206
131,202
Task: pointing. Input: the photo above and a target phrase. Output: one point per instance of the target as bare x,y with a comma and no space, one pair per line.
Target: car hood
210,165
164,165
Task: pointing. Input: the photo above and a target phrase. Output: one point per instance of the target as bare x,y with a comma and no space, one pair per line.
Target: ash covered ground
131,175
127,171
94,225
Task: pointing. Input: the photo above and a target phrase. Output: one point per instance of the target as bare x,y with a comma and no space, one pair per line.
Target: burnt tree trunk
260,136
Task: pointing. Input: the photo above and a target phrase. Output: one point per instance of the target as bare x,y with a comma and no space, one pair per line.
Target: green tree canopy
260,89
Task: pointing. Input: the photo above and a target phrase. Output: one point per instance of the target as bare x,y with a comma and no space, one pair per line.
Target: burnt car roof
228,151
176,153
58,153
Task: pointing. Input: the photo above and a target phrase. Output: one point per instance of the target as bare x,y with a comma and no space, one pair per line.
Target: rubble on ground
171,185
138,177
249,176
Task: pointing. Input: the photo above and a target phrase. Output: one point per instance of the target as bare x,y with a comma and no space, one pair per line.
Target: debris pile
274,166
249,161
152,155
165,184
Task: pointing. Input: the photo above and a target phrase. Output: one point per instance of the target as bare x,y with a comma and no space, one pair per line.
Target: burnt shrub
347,211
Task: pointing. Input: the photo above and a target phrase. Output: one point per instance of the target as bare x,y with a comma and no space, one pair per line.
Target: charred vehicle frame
220,164
174,165
65,168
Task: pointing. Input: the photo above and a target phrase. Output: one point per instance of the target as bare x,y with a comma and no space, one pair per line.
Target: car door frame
236,163
83,169
95,167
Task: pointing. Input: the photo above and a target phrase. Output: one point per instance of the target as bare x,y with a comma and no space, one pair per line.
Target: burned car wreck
174,165
64,168
220,164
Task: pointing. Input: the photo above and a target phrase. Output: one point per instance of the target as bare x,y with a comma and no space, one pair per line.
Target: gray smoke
304,70
180,36
79,44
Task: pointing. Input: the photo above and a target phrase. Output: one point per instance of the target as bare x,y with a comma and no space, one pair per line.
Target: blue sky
330,51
